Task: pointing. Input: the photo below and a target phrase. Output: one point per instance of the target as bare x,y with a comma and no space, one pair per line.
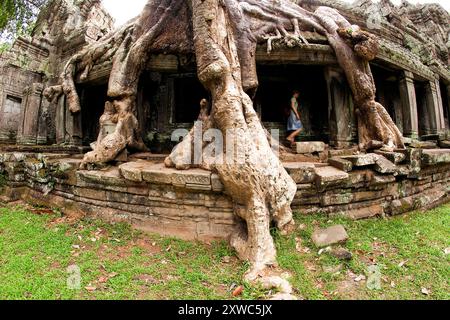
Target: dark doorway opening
427,125
188,91
93,100
276,85
388,93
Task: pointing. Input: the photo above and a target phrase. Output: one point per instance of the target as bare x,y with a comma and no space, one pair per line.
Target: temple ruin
43,142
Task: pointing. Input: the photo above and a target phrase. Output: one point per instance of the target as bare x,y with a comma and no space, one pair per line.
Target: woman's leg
293,135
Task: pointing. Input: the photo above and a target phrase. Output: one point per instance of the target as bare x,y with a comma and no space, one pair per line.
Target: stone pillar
441,123
434,106
43,128
29,121
73,128
409,105
68,125
60,123
340,109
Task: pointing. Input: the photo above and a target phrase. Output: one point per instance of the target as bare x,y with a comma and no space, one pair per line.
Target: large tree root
225,36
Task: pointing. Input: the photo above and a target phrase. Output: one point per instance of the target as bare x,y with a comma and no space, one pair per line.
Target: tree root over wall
224,35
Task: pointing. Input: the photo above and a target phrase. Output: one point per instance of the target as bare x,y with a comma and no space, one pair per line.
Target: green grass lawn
116,262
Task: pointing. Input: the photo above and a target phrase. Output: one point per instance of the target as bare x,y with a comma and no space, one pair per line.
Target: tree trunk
260,187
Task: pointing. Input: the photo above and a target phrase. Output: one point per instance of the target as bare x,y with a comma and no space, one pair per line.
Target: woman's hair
295,91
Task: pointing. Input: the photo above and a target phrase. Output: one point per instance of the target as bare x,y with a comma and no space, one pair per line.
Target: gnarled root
126,134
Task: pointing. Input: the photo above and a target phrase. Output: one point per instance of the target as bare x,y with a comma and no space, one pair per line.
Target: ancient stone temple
43,141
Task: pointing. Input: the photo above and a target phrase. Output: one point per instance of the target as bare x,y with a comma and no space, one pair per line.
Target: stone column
42,126
60,120
409,105
68,125
341,114
435,109
73,128
29,122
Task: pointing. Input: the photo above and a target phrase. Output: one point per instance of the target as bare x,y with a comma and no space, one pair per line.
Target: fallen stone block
309,147
300,172
395,157
341,254
361,160
383,165
332,235
326,176
341,164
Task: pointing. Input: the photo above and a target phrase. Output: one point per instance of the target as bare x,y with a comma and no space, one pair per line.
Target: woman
294,123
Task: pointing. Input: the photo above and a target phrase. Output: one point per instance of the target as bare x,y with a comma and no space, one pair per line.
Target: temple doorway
92,99
272,100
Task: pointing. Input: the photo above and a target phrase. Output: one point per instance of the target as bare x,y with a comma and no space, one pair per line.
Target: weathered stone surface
366,212
132,170
332,198
395,157
216,184
341,254
361,160
341,164
378,179
332,235
444,144
400,206
301,172
383,165
309,147
327,176
432,157
424,145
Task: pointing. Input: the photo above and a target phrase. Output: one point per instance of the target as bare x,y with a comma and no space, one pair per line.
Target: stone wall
191,204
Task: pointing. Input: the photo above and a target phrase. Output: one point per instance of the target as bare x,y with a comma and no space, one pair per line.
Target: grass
116,262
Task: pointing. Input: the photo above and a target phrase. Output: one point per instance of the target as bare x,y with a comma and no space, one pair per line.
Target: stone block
332,235
394,157
132,170
400,206
433,157
341,164
361,160
332,198
327,176
424,144
444,144
366,212
383,165
216,184
309,147
192,177
379,179
300,172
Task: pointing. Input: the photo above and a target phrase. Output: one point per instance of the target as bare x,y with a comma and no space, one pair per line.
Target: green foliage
17,17
117,262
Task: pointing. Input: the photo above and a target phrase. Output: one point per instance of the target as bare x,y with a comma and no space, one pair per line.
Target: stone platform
193,205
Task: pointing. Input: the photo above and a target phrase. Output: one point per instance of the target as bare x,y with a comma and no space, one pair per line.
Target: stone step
444,144
436,156
327,176
301,172
361,160
341,164
424,145
395,157
309,147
